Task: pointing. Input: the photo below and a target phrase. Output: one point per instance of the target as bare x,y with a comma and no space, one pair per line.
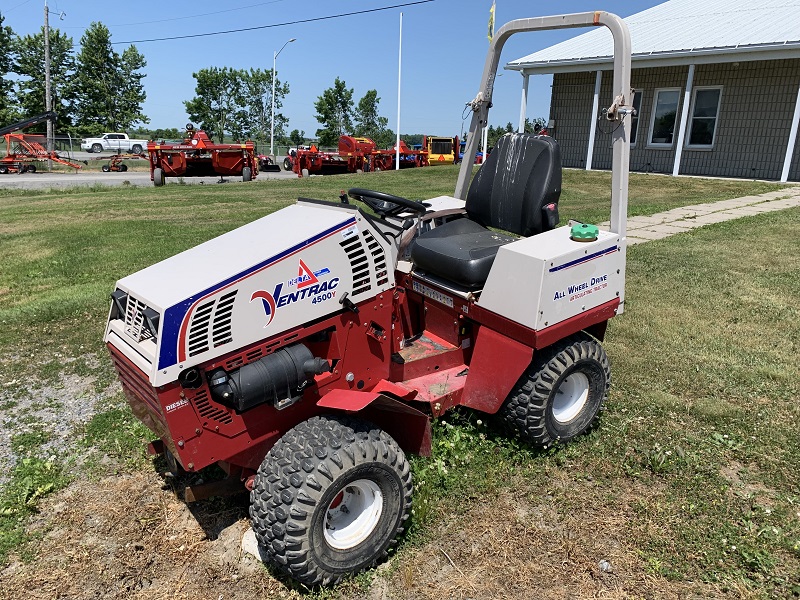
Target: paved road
42,180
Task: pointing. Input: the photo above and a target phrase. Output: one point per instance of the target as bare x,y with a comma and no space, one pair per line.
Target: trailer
198,156
115,163
23,151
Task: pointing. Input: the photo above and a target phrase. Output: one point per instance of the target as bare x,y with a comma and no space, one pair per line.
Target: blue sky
444,48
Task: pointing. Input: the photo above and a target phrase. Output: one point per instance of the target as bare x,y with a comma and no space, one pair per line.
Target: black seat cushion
461,251
511,191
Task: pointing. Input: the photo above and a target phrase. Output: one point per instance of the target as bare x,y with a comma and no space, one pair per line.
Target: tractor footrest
441,389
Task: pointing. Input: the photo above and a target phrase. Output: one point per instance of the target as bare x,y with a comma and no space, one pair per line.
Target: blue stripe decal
584,259
174,315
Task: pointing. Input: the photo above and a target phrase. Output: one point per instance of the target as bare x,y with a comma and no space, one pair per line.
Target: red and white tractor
306,352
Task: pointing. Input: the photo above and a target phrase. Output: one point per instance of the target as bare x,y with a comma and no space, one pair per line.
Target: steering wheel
386,204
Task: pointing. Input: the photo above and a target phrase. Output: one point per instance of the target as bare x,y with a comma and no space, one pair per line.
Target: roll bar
621,107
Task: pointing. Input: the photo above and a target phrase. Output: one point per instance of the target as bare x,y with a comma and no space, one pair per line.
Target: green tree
256,96
131,94
29,65
108,86
369,123
530,126
217,106
335,113
7,112
297,137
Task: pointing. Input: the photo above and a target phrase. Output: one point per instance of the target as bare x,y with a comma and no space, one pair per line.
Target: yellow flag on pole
491,22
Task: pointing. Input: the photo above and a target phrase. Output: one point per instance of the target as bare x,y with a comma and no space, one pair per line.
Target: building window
665,113
703,123
637,107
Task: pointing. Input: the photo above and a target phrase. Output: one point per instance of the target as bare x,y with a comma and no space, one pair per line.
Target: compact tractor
306,352
198,156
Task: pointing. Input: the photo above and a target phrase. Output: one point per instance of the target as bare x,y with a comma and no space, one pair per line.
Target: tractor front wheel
330,498
560,395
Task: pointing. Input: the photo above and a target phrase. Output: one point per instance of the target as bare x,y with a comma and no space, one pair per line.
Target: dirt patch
131,537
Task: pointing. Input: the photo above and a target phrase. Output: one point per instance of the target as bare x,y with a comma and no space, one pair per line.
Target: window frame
688,143
663,145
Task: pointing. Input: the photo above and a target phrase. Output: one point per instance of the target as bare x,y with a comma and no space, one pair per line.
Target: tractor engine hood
266,277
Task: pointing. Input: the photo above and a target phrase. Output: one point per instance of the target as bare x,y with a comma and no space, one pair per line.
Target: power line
8,10
218,12
350,14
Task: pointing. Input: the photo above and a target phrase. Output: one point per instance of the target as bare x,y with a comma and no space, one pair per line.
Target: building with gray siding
717,90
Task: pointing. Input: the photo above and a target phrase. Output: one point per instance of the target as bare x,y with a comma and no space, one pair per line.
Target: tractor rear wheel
560,395
247,174
123,167
287,164
330,498
158,177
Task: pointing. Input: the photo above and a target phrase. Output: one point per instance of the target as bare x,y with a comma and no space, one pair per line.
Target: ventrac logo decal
308,286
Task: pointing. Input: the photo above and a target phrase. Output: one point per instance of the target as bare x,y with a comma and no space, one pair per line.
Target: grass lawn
688,487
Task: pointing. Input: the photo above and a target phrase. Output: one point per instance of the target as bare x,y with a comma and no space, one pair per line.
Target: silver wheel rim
353,514
571,396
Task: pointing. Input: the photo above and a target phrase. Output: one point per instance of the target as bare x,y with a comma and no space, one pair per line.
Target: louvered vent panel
198,330
359,264
378,258
207,411
221,328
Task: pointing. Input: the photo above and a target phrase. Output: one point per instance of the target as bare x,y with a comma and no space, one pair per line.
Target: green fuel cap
583,232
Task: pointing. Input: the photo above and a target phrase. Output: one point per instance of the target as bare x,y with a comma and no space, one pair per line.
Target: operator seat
515,190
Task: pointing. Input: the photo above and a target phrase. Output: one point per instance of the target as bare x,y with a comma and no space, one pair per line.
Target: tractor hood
269,276
233,254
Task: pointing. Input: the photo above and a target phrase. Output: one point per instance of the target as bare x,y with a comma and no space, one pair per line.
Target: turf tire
300,478
529,409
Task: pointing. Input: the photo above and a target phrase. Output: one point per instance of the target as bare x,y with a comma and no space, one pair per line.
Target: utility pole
48,100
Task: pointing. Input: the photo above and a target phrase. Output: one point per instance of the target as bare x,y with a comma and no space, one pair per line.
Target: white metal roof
681,32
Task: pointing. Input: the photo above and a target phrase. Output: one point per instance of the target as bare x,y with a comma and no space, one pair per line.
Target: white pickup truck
116,142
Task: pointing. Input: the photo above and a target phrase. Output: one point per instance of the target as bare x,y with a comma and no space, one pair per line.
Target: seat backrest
520,177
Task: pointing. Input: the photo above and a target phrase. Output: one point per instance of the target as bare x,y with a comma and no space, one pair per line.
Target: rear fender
408,426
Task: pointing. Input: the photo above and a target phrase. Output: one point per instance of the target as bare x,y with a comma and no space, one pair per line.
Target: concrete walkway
664,224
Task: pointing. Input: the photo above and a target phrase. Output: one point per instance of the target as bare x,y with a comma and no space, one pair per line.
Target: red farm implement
355,154
199,156
23,151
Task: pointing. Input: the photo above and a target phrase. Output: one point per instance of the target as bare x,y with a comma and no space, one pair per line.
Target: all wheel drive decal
176,318
585,259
